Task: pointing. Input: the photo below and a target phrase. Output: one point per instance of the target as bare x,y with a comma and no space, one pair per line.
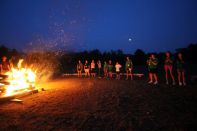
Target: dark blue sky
151,25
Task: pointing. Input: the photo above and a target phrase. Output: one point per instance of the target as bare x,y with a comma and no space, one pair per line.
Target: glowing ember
20,79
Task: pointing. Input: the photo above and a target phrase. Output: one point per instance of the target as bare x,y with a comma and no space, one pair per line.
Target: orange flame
20,79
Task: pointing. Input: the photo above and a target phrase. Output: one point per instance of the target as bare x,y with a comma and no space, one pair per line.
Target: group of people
91,69
152,63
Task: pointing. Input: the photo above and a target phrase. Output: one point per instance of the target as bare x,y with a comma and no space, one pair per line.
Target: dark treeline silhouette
67,61
4,51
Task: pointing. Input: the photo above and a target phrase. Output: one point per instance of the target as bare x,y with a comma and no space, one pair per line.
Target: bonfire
19,80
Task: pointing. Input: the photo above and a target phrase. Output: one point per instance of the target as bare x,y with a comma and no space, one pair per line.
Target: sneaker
150,82
167,83
155,83
174,83
184,83
180,84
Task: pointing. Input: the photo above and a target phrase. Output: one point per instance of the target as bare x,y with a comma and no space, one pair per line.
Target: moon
130,39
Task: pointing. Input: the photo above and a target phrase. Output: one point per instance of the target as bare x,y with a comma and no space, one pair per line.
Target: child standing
152,67
129,68
181,70
105,69
118,66
99,68
168,65
79,68
110,69
93,70
87,69
4,65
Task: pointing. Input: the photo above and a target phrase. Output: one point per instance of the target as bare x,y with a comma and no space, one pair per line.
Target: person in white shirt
93,71
118,66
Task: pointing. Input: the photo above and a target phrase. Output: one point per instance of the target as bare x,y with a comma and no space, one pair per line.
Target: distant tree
191,53
95,54
3,51
120,57
106,56
161,57
139,57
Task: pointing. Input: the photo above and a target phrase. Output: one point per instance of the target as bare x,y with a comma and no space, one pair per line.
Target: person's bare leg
179,78
183,78
150,78
106,74
166,71
131,74
172,76
127,75
155,77
79,74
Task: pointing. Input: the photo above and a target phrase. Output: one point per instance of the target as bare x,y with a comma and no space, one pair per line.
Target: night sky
151,25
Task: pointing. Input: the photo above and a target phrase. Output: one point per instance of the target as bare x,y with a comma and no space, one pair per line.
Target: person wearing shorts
152,68
110,69
79,68
93,69
99,65
168,65
129,68
180,64
118,66
87,69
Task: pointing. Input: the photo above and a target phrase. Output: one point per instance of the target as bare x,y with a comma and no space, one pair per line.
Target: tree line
65,61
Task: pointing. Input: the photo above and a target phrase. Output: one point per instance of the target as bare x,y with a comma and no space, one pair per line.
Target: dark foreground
98,104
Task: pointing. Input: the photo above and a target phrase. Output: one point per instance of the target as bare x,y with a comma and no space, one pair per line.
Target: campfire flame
20,79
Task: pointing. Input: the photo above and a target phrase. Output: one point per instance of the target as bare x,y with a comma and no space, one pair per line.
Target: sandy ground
99,104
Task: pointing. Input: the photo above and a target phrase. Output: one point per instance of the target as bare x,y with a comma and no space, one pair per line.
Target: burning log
17,100
17,95
18,82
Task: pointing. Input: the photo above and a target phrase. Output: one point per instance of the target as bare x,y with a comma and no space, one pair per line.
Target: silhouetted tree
139,57
3,51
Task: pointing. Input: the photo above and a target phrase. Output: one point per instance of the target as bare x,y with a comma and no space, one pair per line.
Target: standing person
168,67
181,70
129,68
87,69
93,70
152,67
99,68
79,68
110,69
118,66
105,69
4,65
